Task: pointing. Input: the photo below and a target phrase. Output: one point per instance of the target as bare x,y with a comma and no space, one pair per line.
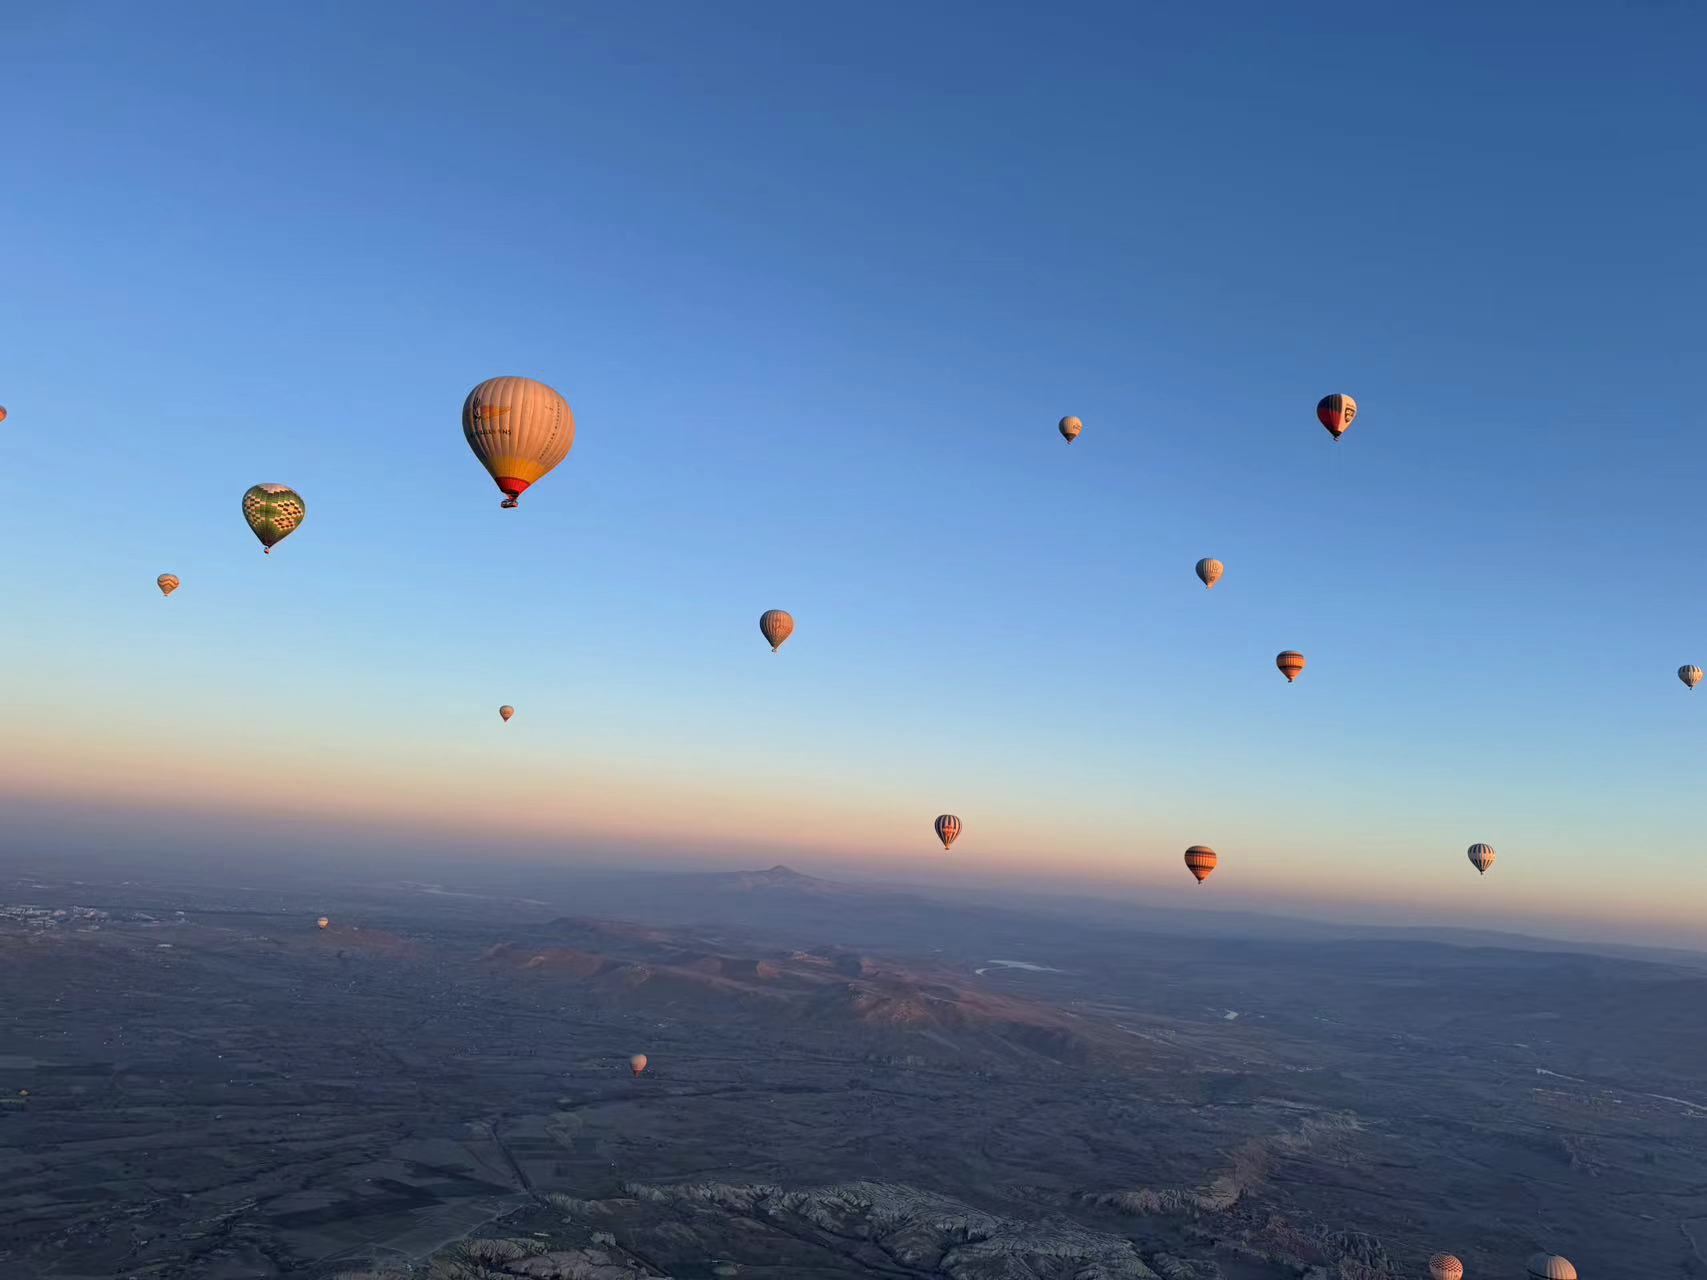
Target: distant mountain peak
784,878
777,877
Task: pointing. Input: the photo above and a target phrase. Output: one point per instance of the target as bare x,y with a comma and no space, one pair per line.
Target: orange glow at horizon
536,807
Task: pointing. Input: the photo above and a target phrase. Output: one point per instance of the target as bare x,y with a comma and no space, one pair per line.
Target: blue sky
818,282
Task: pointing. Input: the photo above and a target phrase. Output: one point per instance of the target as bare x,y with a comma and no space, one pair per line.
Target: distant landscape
844,1081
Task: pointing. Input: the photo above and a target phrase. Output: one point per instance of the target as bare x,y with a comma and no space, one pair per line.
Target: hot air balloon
1290,663
1201,861
322,923
519,429
1210,572
637,1063
274,512
1550,1266
1070,428
1336,413
1690,676
1443,1266
1482,857
506,711
776,625
167,582
947,829
2,413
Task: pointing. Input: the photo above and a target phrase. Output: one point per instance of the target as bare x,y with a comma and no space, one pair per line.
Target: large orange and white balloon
1290,663
1070,428
167,582
776,625
1201,861
519,429
1336,413
947,829
2,413
1210,571
1690,675
1482,857
1550,1266
637,1063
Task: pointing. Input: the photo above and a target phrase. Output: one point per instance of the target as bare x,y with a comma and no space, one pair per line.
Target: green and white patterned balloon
274,512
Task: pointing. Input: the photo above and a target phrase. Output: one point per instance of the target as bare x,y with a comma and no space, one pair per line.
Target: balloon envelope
506,711
1070,428
167,582
1443,1266
519,429
1201,861
1290,663
776,625
1550,1266
637,1063
323,923
274,512
1336,413
947,829
1690,676
1482,857
2,413
1210,571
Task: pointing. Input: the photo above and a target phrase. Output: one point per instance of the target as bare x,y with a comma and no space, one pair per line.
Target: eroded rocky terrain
438,1086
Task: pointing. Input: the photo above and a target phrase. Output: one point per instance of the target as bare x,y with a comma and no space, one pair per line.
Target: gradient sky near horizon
818,281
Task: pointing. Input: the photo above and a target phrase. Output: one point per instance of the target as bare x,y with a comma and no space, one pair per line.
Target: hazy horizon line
1017,893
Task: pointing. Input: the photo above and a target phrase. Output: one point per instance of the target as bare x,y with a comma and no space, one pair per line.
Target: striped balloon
1201,861
1070,428
167,582
1690,676
947,829
1290,663
519,429
776,625
1482,857
1550,1266
1210,572
274,512
1443,1266
1336,413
